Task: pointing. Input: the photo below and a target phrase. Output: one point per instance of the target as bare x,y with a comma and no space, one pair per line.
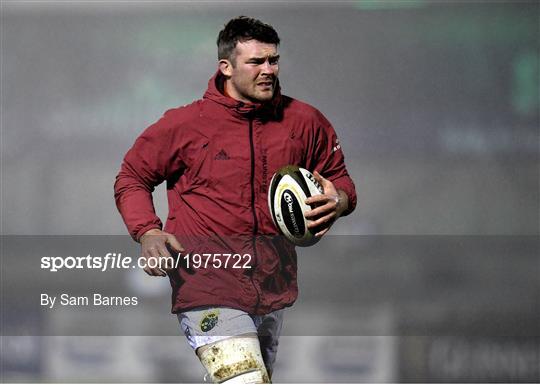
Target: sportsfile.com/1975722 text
118,261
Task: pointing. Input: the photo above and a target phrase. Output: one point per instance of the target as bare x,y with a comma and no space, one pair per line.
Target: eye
274,61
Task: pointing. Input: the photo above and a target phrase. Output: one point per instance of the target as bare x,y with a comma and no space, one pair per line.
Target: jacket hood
214,92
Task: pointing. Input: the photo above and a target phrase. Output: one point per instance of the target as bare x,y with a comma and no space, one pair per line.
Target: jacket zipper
253,211
252,148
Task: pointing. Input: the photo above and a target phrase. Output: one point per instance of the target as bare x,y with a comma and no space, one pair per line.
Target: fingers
325,183
318,177
153,271
329,189
329,218
156,252
326,204
174,244
326,207
152,256
323,232
321,199
165,260
176,247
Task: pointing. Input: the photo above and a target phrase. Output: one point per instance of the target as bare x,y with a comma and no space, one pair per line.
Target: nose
269,68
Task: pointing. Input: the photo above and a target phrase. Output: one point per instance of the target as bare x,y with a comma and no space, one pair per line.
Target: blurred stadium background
434,278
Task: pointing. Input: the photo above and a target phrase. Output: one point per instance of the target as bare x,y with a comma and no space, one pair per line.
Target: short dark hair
243,28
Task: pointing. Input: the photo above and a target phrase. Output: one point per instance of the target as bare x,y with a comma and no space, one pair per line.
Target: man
218,155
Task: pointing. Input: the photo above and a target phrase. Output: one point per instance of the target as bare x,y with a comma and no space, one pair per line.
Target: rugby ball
289,188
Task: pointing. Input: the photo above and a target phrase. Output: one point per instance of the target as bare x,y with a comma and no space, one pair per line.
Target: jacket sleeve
151,160
327,158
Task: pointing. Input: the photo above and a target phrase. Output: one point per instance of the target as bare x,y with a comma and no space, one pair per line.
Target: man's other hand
155,246
328,206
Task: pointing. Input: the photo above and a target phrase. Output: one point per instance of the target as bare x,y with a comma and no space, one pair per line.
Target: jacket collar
268,110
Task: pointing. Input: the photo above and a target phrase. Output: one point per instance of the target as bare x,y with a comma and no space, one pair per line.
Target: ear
225,67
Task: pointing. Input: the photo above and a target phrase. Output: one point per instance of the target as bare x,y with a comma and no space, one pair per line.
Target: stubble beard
252,93
266,95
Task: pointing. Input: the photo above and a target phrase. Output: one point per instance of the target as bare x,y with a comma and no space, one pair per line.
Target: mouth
266,84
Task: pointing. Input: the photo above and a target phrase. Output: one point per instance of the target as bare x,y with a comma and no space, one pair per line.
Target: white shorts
208,325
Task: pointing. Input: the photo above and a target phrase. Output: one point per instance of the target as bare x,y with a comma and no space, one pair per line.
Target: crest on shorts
209,320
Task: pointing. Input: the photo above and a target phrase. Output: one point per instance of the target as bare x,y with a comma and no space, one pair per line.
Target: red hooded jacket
218,156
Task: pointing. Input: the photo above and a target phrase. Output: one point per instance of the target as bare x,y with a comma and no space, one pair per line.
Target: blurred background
436,275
